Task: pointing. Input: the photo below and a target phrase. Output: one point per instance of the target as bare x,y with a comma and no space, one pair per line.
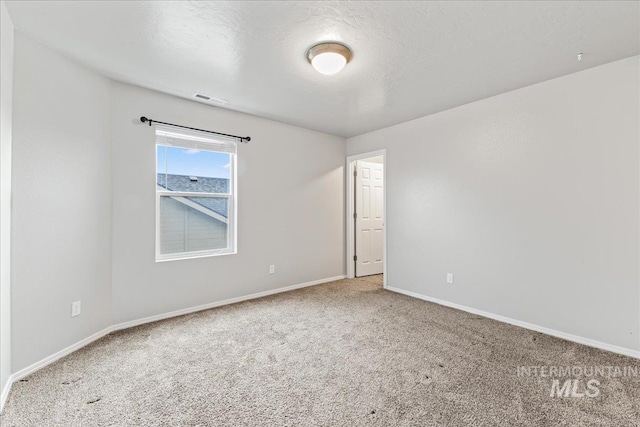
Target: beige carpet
346,353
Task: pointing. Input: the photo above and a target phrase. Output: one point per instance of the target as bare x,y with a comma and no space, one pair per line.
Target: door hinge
355,257
355,172
355,215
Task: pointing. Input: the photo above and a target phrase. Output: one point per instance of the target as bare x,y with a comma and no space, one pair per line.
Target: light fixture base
319,56
325,47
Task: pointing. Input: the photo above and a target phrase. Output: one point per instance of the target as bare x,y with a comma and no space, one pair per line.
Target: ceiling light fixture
329,57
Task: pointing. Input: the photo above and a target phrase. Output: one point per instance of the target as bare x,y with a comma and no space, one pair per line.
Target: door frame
350,227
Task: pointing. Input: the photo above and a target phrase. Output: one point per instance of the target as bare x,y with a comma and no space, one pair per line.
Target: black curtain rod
244,139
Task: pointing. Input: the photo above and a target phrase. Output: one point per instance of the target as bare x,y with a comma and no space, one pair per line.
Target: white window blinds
193,139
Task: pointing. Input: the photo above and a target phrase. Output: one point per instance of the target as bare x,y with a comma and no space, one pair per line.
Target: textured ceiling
410,58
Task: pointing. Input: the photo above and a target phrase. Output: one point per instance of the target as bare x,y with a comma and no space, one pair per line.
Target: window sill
193,255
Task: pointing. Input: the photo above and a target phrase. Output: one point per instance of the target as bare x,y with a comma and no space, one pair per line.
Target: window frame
232,203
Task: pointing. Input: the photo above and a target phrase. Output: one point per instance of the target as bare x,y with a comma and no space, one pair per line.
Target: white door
369,208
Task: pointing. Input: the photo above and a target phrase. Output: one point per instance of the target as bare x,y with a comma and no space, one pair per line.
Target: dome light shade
329,58
328,63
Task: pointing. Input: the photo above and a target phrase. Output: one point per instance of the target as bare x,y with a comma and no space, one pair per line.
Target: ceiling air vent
209,99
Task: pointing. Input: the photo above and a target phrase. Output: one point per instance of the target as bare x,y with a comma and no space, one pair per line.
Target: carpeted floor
347,353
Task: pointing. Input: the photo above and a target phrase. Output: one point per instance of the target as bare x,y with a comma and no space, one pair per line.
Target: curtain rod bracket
243,139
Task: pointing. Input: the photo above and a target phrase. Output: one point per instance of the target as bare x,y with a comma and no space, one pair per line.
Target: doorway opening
366,215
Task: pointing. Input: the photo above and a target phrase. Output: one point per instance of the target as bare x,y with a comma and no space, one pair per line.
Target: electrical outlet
75,308
450,278
272,269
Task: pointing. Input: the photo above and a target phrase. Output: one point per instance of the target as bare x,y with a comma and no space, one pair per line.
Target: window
195,194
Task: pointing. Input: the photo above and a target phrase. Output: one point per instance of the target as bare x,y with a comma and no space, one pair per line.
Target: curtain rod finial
143,119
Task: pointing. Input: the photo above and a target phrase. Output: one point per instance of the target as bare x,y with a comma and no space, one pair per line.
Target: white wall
6,96
530,198
290,208
61,202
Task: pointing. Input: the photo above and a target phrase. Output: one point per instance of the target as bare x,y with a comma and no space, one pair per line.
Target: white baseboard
566,336
16,376
62,353
59,355
189,310
5,393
